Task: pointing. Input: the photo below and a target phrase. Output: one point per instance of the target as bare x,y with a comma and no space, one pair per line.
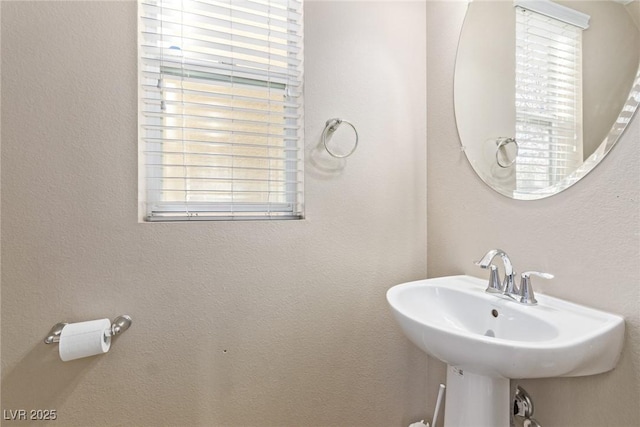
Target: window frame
151,206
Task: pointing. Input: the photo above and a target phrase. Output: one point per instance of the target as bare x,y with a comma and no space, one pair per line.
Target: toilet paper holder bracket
118,326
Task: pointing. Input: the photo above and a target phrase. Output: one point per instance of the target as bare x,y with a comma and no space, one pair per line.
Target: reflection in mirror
544,89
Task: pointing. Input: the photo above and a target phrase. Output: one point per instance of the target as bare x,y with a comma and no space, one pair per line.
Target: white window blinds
221,109
548,99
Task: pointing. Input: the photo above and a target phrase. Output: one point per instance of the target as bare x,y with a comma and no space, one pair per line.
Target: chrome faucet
508,285
524,294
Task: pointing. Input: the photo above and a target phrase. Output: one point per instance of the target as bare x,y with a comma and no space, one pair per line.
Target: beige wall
588,236
611,47
235,324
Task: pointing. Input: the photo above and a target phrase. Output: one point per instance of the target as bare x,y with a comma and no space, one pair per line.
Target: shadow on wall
323,165
42,380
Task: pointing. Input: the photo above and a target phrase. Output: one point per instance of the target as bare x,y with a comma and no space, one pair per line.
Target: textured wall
235,324
588,236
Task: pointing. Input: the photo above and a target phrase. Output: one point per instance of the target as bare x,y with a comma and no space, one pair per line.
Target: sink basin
455,320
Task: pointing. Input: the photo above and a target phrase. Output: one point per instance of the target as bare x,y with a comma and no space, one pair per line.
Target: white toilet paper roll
84,339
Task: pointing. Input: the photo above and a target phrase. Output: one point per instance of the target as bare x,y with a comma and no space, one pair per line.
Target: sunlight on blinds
199,160
221,108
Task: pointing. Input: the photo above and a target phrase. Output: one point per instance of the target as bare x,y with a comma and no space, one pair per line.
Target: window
548,96
220,102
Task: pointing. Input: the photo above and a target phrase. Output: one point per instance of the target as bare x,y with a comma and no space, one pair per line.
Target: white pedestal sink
487,339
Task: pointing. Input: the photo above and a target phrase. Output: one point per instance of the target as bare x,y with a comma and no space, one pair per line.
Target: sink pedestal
476,400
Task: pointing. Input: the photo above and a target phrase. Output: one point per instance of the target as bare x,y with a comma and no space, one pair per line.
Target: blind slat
153,96
211,164
211,60
225,141
217,122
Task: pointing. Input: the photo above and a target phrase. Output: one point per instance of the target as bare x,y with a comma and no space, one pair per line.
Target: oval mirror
544,89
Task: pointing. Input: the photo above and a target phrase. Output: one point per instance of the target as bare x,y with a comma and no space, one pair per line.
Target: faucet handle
526,290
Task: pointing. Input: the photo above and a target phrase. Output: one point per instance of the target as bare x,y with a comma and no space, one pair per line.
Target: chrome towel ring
330,127
501,142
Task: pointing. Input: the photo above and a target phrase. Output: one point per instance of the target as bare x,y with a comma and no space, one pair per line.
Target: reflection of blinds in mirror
548,99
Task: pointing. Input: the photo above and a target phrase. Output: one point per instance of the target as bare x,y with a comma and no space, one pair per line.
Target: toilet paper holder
118,326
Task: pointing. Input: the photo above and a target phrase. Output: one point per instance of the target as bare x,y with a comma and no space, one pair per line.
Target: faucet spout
485,262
